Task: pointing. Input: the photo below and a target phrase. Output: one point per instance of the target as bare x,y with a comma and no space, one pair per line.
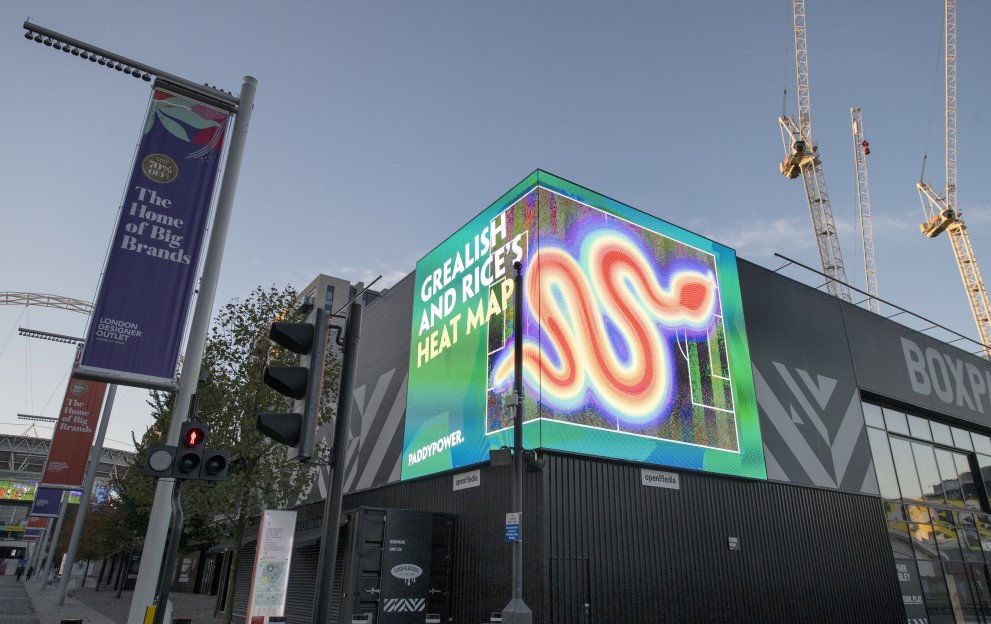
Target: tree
228,401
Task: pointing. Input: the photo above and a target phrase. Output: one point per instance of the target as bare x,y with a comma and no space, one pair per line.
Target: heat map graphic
634,343
622,331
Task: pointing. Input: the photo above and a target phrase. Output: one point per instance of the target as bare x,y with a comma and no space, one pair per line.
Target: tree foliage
230,396
229,401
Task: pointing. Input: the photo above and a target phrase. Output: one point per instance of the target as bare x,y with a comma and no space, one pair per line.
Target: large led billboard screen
634,344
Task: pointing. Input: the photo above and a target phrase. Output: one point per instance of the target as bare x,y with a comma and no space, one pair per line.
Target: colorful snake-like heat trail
575,359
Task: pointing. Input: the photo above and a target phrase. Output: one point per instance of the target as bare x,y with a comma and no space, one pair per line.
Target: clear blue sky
382,127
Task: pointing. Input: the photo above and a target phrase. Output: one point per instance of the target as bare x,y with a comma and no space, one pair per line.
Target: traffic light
189,453
214,467
190,460
298,430
161,459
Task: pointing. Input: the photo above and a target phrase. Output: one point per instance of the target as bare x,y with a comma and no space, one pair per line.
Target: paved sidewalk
17,607
30,603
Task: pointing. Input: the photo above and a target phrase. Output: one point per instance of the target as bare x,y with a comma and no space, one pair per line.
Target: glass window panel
937,596
925,463
942,516
970,495
948,543
978,573
885,468
983,523
873,417
941,433
961,439
919,427
895,420
893,510
911,590
924,541
982,443
908,479
961,592
901,543
970,540
951,482
984,461
920,514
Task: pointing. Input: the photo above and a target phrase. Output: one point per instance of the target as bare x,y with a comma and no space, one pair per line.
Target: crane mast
802,159
941,211
861,148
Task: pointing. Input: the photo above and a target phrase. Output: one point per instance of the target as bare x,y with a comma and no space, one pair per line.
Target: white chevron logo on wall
807,415
404,605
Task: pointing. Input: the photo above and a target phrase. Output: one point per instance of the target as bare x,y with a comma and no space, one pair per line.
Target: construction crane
940,210
861,148
802,159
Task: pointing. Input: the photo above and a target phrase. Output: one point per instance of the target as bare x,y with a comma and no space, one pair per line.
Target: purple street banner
139,319
47,502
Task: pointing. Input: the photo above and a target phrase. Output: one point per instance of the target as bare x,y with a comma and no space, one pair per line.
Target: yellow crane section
940,210
802,159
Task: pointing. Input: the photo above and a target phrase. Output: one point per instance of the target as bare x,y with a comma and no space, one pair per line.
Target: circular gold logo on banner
159,168
78,387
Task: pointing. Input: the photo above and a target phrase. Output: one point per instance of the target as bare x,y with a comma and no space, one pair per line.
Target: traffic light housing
214,466
304,383
189,453
160,461
190,460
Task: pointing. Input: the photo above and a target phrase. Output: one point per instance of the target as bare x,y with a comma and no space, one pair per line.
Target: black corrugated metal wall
662,555
646,555
481,579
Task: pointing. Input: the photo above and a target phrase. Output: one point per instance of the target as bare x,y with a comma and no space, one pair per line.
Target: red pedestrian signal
193,436
190,456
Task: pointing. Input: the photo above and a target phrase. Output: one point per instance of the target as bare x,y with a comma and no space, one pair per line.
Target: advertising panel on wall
140,313
634,340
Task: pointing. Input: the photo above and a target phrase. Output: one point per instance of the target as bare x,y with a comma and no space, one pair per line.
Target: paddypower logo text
439,446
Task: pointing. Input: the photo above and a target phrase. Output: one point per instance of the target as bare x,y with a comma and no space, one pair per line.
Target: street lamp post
516,612
241,107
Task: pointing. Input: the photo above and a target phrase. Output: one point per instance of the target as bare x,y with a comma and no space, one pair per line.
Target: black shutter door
302,584
244,568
